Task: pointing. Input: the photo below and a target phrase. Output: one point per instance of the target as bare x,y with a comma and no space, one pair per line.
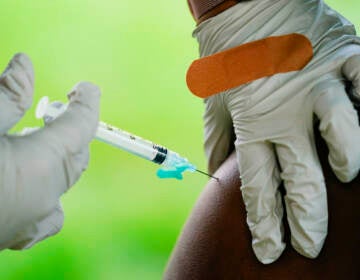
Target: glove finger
351,70
339,126
25,63
305,200
16,89
18,78
22,61
260,180
218,133
10,112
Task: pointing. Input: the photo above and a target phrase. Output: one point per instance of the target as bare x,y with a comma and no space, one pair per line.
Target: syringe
173,165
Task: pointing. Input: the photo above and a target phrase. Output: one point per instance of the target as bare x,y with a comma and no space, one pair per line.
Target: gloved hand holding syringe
173,165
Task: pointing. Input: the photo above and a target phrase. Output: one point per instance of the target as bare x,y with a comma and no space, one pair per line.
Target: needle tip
207,174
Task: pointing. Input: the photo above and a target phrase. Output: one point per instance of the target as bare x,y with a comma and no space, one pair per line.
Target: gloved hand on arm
37,168
279,146
269,119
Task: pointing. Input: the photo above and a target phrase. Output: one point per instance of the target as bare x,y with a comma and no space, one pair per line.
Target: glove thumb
76,127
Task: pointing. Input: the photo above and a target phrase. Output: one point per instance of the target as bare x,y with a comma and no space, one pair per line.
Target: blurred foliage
121,221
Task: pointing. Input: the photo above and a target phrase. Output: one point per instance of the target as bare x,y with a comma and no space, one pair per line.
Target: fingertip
345,159
22,57
353,62
23,61
346,175
308,252
85,86
85,92
265,255
351,70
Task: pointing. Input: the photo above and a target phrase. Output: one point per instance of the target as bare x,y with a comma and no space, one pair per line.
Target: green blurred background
121,220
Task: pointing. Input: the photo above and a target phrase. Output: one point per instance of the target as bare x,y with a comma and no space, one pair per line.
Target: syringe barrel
141,147
131,143
118,138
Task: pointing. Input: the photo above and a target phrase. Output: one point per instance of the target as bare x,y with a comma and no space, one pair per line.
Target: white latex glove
37,168
272,120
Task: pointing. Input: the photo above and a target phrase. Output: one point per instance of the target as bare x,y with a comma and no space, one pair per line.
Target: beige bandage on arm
245,63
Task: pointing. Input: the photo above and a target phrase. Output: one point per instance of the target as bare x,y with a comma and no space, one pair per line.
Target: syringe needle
202,172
